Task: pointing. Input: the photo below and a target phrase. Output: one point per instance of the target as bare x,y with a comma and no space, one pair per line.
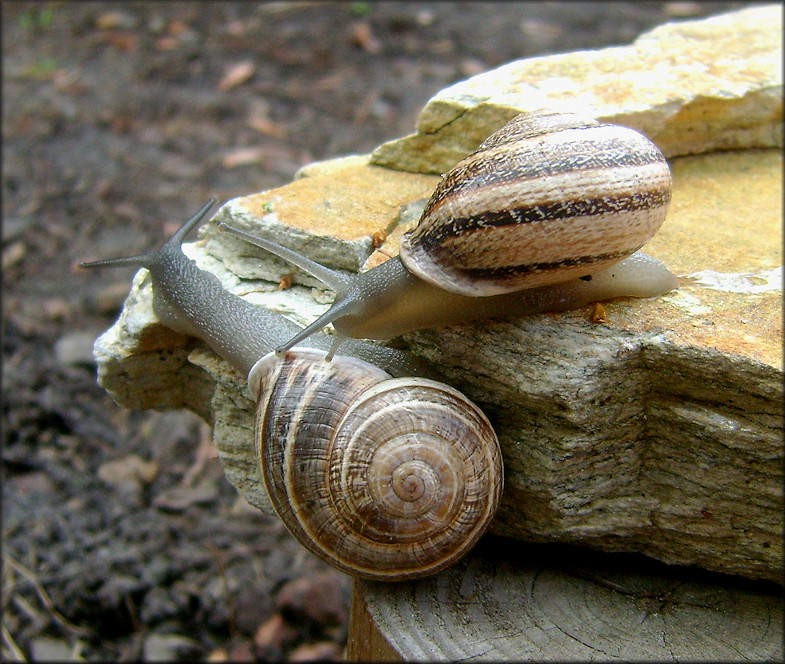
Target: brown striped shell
549,197
384,478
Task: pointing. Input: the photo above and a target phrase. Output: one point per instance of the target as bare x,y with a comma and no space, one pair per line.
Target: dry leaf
243,156
167,43
116,20
598,314
266,126
237,75
361,35
124,42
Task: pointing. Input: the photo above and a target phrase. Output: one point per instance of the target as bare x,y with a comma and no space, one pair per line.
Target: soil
122,540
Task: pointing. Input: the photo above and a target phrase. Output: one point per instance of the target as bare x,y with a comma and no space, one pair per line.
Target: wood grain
522,602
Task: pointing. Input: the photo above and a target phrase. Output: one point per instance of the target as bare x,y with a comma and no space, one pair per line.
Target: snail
385,477
548,214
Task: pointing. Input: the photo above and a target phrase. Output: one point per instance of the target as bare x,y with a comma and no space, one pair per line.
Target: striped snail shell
549,197
383,478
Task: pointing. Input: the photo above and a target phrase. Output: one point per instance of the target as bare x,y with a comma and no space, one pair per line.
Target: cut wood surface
510,601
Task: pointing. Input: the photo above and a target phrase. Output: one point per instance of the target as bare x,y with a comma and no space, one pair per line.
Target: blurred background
121,538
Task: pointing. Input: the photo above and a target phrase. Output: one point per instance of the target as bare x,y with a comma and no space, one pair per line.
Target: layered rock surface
659,431
691,87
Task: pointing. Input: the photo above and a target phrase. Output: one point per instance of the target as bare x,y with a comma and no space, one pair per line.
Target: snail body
389,478
371,465
193,301
548,199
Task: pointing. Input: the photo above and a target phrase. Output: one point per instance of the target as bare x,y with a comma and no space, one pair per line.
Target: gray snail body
546,215
193,301
388,478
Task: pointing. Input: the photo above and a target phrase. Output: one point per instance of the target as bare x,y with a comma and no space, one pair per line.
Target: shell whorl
384,478
549,197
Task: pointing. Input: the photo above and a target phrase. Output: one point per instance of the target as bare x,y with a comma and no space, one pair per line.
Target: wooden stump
532,602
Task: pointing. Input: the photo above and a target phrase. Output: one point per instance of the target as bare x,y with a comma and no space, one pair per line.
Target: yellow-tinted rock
658,431
642,433
723,236
692,87
331,165
331,216
723,239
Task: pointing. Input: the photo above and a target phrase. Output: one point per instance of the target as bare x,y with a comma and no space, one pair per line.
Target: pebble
167,647
128,474
116,20
323,651
316,598
108,299
13,254
49,649
179,498
14,227
241,652
273,636
75,348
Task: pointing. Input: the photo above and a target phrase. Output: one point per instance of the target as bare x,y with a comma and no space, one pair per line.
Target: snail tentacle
331,278
174,242
193,301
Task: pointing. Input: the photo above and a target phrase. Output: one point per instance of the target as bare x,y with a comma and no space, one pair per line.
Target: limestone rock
641,434
331,216
659,431
691,87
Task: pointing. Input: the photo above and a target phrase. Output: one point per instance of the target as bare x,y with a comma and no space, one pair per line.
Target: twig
11,645
43,596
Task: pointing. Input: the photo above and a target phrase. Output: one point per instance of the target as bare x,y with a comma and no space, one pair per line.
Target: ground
121,538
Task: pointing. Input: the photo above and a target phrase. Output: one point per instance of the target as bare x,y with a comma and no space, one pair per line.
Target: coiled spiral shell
384,478
549,197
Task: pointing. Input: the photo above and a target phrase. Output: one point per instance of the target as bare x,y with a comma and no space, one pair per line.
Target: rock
147,353
218,655
49,649
329,166
315,599
650,427
606,476
273,636
167,647
638,434
12,255
331,226
75,348
323,651
107,299
129,474
179,498
673,84
241,652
